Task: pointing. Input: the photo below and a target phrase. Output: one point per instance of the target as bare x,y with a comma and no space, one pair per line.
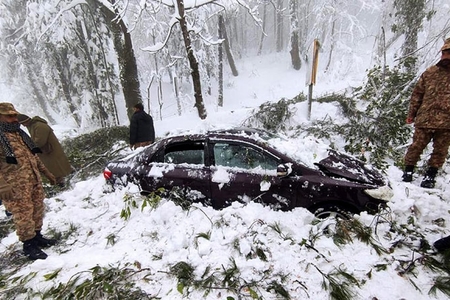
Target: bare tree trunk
409,17
127,61
279,25
105,103
65,79
381,37
177,95
333,25
192,62
149,86
39,94
102,114
263,33
220,58
226,45
382,51
295,52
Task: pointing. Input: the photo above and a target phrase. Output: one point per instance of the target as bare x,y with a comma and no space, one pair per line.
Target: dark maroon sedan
219,167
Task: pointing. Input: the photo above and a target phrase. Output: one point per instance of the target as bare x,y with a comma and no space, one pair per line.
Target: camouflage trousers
421,138
27,209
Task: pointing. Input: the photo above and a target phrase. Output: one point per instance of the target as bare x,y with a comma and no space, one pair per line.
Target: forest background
94,59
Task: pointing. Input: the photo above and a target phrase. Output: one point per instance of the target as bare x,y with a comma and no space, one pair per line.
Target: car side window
185,153
242,156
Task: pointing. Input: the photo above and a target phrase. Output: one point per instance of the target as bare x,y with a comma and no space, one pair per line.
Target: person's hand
51,178
409,120
6,192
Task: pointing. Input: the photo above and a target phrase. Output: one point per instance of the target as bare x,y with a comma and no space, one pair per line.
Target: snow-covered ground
266,246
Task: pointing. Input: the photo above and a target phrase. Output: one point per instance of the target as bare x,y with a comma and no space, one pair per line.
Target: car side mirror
283,170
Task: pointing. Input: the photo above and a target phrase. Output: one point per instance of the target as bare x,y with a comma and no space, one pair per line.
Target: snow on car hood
344,166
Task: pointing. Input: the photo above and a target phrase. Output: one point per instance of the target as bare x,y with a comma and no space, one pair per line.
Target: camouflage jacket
430,101
28,167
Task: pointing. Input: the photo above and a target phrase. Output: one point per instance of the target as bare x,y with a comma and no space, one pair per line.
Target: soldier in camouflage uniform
21,187
429,109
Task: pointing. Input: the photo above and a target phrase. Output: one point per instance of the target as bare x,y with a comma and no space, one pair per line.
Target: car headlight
383,193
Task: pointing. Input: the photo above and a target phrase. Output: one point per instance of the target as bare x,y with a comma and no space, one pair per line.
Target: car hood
340,165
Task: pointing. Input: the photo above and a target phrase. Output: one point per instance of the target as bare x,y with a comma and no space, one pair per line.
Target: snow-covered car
221,166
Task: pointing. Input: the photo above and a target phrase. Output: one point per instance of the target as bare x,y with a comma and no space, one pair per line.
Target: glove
50,178
6,192
409,120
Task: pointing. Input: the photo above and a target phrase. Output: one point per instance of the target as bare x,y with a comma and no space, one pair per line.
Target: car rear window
185,153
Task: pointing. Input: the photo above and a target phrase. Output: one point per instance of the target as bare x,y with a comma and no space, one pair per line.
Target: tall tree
294,30
198,95
227,47
279,25
410,15
125,54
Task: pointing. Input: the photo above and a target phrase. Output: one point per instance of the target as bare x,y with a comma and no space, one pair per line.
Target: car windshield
303,149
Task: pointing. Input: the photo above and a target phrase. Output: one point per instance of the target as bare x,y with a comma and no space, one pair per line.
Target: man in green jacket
429,110
52,155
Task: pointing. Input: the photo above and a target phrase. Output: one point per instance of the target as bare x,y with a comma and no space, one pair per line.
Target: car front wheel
333,211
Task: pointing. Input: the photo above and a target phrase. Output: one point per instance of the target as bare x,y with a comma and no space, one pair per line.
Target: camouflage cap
446,45
7,109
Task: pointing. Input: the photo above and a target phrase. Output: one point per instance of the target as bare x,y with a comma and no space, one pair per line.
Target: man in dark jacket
429,109
142,132
21,187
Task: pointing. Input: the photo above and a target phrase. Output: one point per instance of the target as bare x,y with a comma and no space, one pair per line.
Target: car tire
334,211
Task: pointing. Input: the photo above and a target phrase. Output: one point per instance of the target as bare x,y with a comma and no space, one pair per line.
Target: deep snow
293,242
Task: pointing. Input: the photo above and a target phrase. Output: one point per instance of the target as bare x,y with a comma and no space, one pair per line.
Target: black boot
32,251
43,242
408,173
429,179
442,244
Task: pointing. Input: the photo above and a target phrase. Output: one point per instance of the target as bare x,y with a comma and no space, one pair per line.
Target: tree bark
39,94
279,25
226,45
123,45
64,79
295,52
220,58
199,104
263,33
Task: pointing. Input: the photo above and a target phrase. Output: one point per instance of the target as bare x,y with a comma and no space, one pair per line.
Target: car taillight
107,173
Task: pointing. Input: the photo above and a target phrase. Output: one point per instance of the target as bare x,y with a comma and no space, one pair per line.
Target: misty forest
94,59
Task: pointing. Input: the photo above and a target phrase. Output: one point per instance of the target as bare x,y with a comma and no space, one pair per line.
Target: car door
179,169
244,172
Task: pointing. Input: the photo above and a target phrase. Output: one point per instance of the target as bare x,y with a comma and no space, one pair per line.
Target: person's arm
45,171
416,100
6,192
